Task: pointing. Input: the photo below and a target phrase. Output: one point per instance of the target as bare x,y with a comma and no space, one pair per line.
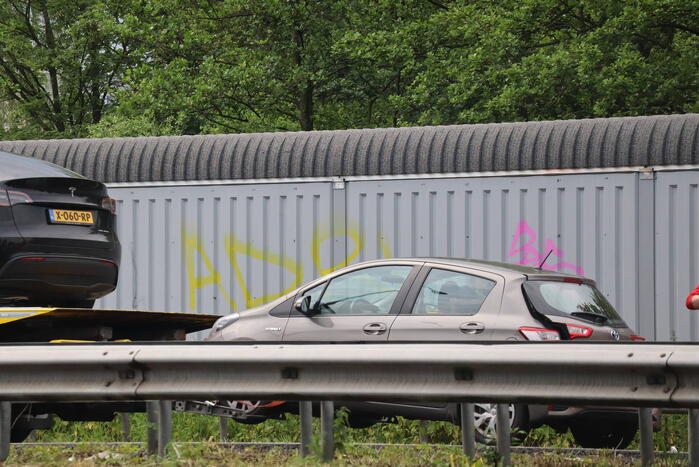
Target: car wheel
603,434
485,422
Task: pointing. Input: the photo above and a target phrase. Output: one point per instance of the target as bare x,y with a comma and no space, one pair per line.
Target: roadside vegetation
202,428
205,454
195,443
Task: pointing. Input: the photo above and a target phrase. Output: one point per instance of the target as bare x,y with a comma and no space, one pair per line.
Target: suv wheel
485,419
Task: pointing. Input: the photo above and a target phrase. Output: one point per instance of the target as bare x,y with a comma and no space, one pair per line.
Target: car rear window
580,301
14,167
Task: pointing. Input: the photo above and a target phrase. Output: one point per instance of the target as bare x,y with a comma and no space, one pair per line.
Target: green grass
205,431
194,427
205,454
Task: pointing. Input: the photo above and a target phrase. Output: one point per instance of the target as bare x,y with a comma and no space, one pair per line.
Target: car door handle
471,328
374,329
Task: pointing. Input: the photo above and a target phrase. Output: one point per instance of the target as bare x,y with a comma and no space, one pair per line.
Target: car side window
369,291
452,293
315,294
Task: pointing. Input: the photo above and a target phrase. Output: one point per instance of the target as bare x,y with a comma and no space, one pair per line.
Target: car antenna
547,257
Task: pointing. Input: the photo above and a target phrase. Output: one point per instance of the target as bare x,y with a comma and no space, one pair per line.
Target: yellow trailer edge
53,324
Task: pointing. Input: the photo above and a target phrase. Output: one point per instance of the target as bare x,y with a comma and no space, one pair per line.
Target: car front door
359,305
451,304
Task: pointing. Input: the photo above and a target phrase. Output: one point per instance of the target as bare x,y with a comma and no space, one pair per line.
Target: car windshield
580,301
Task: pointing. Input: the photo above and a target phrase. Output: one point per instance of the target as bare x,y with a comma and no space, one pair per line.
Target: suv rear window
580,301
16,167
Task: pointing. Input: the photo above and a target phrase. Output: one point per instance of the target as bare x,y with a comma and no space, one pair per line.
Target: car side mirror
303,305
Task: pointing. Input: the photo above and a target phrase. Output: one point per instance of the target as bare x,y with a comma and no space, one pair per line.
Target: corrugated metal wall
587,143
588,220
218,249
676,254
221,248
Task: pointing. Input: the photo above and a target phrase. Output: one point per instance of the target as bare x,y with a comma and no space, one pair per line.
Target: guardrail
629,374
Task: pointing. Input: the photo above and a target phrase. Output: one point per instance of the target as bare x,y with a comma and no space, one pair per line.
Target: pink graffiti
530,256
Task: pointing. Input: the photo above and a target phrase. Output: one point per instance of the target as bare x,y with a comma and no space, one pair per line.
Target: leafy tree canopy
60,60
122,67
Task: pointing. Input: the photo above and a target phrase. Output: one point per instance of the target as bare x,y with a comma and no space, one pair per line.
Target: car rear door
449,303
359,305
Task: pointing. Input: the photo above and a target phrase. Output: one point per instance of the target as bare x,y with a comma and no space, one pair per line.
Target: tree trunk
58,119
305,104
307,108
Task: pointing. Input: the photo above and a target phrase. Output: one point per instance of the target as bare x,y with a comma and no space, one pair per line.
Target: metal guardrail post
468,433
223,428
164,426
502,426
5,429
327,438
125,420
645,428
306,420
152,431
693,438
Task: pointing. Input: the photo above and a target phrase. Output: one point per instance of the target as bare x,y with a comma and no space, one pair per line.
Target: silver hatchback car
440,299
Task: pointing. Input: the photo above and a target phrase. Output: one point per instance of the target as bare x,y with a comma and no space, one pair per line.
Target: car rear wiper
600,319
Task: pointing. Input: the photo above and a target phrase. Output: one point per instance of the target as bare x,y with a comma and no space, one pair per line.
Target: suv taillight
539,334
109,204
634,337
575,331
12,197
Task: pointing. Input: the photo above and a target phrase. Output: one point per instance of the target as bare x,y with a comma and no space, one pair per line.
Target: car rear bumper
44,278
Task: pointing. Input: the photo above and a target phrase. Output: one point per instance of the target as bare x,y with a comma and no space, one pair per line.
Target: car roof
13,167
488,266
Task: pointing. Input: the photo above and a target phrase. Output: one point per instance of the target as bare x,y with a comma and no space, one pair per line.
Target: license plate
64,216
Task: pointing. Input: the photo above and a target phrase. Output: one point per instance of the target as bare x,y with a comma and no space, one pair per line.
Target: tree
235,65
150,67
59,60
555,59
270,65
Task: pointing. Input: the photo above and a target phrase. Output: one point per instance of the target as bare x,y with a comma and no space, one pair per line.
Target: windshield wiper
600,319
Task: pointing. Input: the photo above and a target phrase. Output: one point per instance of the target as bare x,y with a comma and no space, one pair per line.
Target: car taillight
637,338
12,197
575,331
109,204
538,334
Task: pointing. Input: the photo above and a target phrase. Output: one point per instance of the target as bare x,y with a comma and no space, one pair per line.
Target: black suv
58,242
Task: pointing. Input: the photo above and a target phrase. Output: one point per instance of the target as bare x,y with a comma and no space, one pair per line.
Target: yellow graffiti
235,247
192,247
384,246
322,235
